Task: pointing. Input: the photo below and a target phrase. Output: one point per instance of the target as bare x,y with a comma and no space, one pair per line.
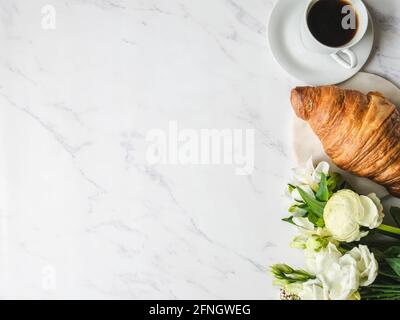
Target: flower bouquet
345,258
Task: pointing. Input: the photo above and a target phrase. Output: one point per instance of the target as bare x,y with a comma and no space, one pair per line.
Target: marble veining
82,213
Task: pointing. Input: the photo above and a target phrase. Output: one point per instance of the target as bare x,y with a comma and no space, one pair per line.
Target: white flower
338,276
310,241
306,226
342,278
310,237
316,243
308,175
317,263
366,264
346,211
341,214
313,290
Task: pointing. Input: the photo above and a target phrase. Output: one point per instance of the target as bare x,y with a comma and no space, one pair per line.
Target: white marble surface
83,215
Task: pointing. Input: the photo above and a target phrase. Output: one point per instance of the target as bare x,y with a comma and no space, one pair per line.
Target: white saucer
289,52
306,143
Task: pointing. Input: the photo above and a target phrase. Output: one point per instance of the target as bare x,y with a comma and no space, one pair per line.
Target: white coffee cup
337,53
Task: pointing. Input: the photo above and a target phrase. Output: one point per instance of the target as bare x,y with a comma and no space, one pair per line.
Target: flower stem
389,230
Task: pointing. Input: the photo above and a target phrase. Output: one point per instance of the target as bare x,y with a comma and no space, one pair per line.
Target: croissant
360,133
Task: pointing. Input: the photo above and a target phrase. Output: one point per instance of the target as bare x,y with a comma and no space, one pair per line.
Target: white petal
299,212
318,262
361,235
300,177
309,166
296,195
366,264
322,167
303,223
371,217
313,290
379,205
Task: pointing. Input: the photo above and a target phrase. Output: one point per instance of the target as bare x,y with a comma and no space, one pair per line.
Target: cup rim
360,33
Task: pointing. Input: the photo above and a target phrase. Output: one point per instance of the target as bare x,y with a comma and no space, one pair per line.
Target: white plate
289,52
307,144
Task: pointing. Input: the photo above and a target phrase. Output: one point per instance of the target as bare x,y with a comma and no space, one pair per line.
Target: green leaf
289,220
322,192
316,220
394,263
386,271
334,181
395,212
313,206
291,187
392,252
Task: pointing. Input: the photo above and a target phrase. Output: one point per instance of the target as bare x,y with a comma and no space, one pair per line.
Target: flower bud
316,243
299,242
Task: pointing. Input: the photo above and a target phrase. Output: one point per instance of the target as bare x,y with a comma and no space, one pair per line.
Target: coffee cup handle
348,64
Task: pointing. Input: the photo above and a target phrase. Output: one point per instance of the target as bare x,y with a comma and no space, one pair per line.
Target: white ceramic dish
310,67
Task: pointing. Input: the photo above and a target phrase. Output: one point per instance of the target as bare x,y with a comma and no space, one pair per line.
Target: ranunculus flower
346,212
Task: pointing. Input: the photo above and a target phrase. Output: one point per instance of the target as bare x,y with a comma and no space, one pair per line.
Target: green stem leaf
389,231
317,207
322,192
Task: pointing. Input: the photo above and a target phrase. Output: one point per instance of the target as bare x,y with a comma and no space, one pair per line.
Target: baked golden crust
360,133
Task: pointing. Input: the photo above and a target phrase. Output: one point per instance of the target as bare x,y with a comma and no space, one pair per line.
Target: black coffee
325,21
